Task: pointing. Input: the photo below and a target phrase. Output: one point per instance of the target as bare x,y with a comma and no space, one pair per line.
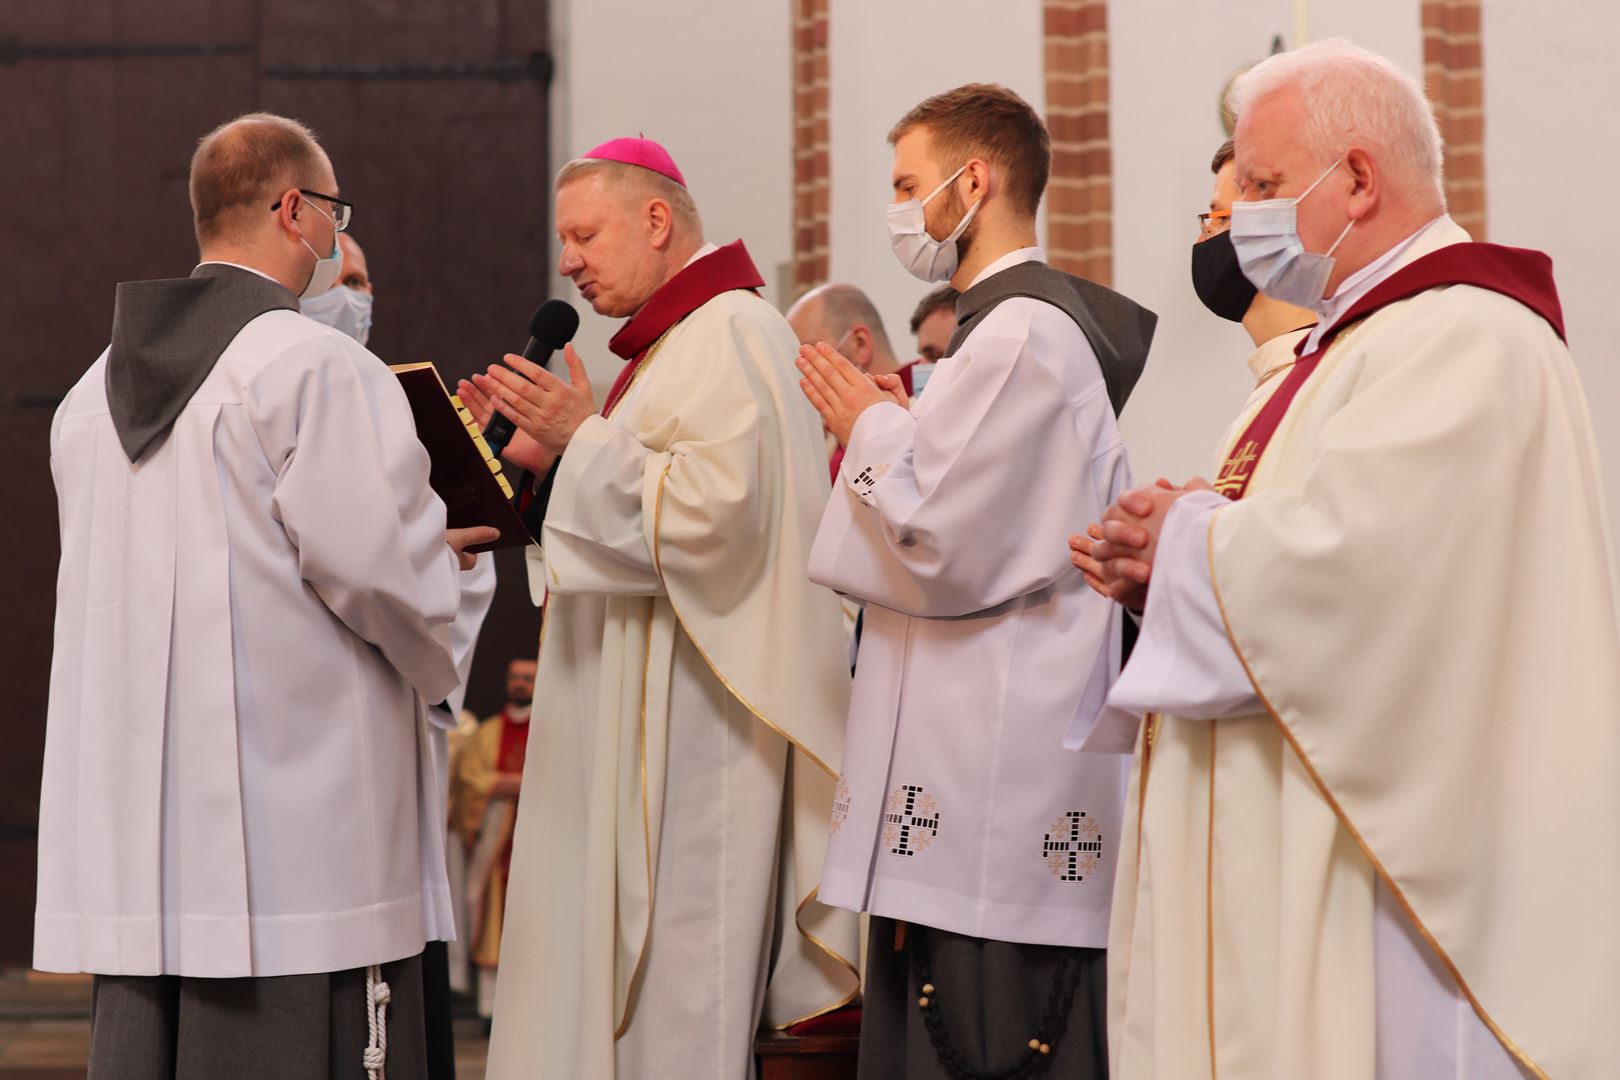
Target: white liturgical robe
1408,948
691,686
251,623
958,808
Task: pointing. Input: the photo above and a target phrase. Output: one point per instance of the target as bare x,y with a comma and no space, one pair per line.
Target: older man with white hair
1379,659
675,800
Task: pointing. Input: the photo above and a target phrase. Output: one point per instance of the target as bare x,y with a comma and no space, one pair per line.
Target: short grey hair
640,182
1354,97
843,307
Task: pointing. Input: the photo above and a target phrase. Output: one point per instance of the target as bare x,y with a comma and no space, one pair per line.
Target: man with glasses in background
240,827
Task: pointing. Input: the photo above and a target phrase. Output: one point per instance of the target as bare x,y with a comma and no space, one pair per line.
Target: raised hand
838,389
480,404
521,450
545,407
892,386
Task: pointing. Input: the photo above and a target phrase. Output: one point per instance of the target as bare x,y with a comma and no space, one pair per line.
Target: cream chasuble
694,685
1418,584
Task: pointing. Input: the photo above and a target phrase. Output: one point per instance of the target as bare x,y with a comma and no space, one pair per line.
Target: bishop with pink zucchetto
674,818
638,151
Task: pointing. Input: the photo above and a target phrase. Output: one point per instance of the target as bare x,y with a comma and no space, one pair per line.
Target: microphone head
554,323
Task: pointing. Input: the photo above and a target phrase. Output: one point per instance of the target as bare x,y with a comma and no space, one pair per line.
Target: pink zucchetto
642,152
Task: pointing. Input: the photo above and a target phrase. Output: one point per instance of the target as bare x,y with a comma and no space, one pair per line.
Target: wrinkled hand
838,389
542,406
522,450
1117,555
1080,554
462,539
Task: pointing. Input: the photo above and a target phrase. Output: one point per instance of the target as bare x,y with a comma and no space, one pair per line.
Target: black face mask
1219,280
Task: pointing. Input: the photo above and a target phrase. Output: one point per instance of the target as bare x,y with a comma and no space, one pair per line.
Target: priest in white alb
241,819
693,680
1379,659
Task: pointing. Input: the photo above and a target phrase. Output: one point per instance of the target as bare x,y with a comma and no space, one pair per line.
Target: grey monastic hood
167,335
1118,329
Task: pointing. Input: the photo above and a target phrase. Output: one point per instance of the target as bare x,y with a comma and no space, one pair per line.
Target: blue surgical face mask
326,271
919,252
342,308
1265,236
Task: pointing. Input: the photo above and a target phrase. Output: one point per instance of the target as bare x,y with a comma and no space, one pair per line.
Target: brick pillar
810,145
1080,198
1454,71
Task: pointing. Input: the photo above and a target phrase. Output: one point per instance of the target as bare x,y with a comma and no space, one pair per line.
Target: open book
465,474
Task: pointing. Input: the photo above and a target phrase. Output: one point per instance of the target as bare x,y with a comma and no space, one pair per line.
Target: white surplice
691,684
1185,667
251,625
982,647
477,593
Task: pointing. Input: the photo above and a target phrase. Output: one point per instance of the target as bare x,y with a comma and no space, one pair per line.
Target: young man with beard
982,851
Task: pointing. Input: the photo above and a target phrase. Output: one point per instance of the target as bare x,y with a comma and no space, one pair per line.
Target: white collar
1010,260
1272,356
1362,282
702,252
239,266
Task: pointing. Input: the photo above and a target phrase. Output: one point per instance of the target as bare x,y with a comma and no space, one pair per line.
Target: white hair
643,183
1354,97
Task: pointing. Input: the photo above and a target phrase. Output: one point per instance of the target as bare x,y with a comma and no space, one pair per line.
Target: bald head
844,317
242,167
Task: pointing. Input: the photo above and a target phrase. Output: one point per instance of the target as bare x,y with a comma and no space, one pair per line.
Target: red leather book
464,472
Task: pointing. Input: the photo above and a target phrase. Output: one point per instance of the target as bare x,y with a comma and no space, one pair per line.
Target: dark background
434,113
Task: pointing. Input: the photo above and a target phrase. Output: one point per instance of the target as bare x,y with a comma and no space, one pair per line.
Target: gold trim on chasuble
1150,734
658,568
1349,827
1209,905
640,370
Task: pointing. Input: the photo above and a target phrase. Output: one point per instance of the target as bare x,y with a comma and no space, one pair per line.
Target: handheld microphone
552,326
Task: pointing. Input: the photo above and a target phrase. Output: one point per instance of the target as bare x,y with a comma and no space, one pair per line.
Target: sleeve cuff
1183,662
881,434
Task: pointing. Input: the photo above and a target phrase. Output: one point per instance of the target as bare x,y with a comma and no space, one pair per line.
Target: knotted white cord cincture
377,995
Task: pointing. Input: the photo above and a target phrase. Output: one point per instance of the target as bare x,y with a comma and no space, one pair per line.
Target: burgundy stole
720,271
514,749
1524,275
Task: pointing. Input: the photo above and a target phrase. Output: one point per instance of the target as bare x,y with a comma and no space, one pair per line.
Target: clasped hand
1116,554
840,391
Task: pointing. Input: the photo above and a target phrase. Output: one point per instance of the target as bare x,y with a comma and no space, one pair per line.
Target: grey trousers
291,1027
991,996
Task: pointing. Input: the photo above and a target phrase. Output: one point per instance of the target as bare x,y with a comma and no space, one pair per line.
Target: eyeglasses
1213,222
341,211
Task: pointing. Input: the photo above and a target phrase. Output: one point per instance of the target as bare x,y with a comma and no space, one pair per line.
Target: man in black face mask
1274,326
